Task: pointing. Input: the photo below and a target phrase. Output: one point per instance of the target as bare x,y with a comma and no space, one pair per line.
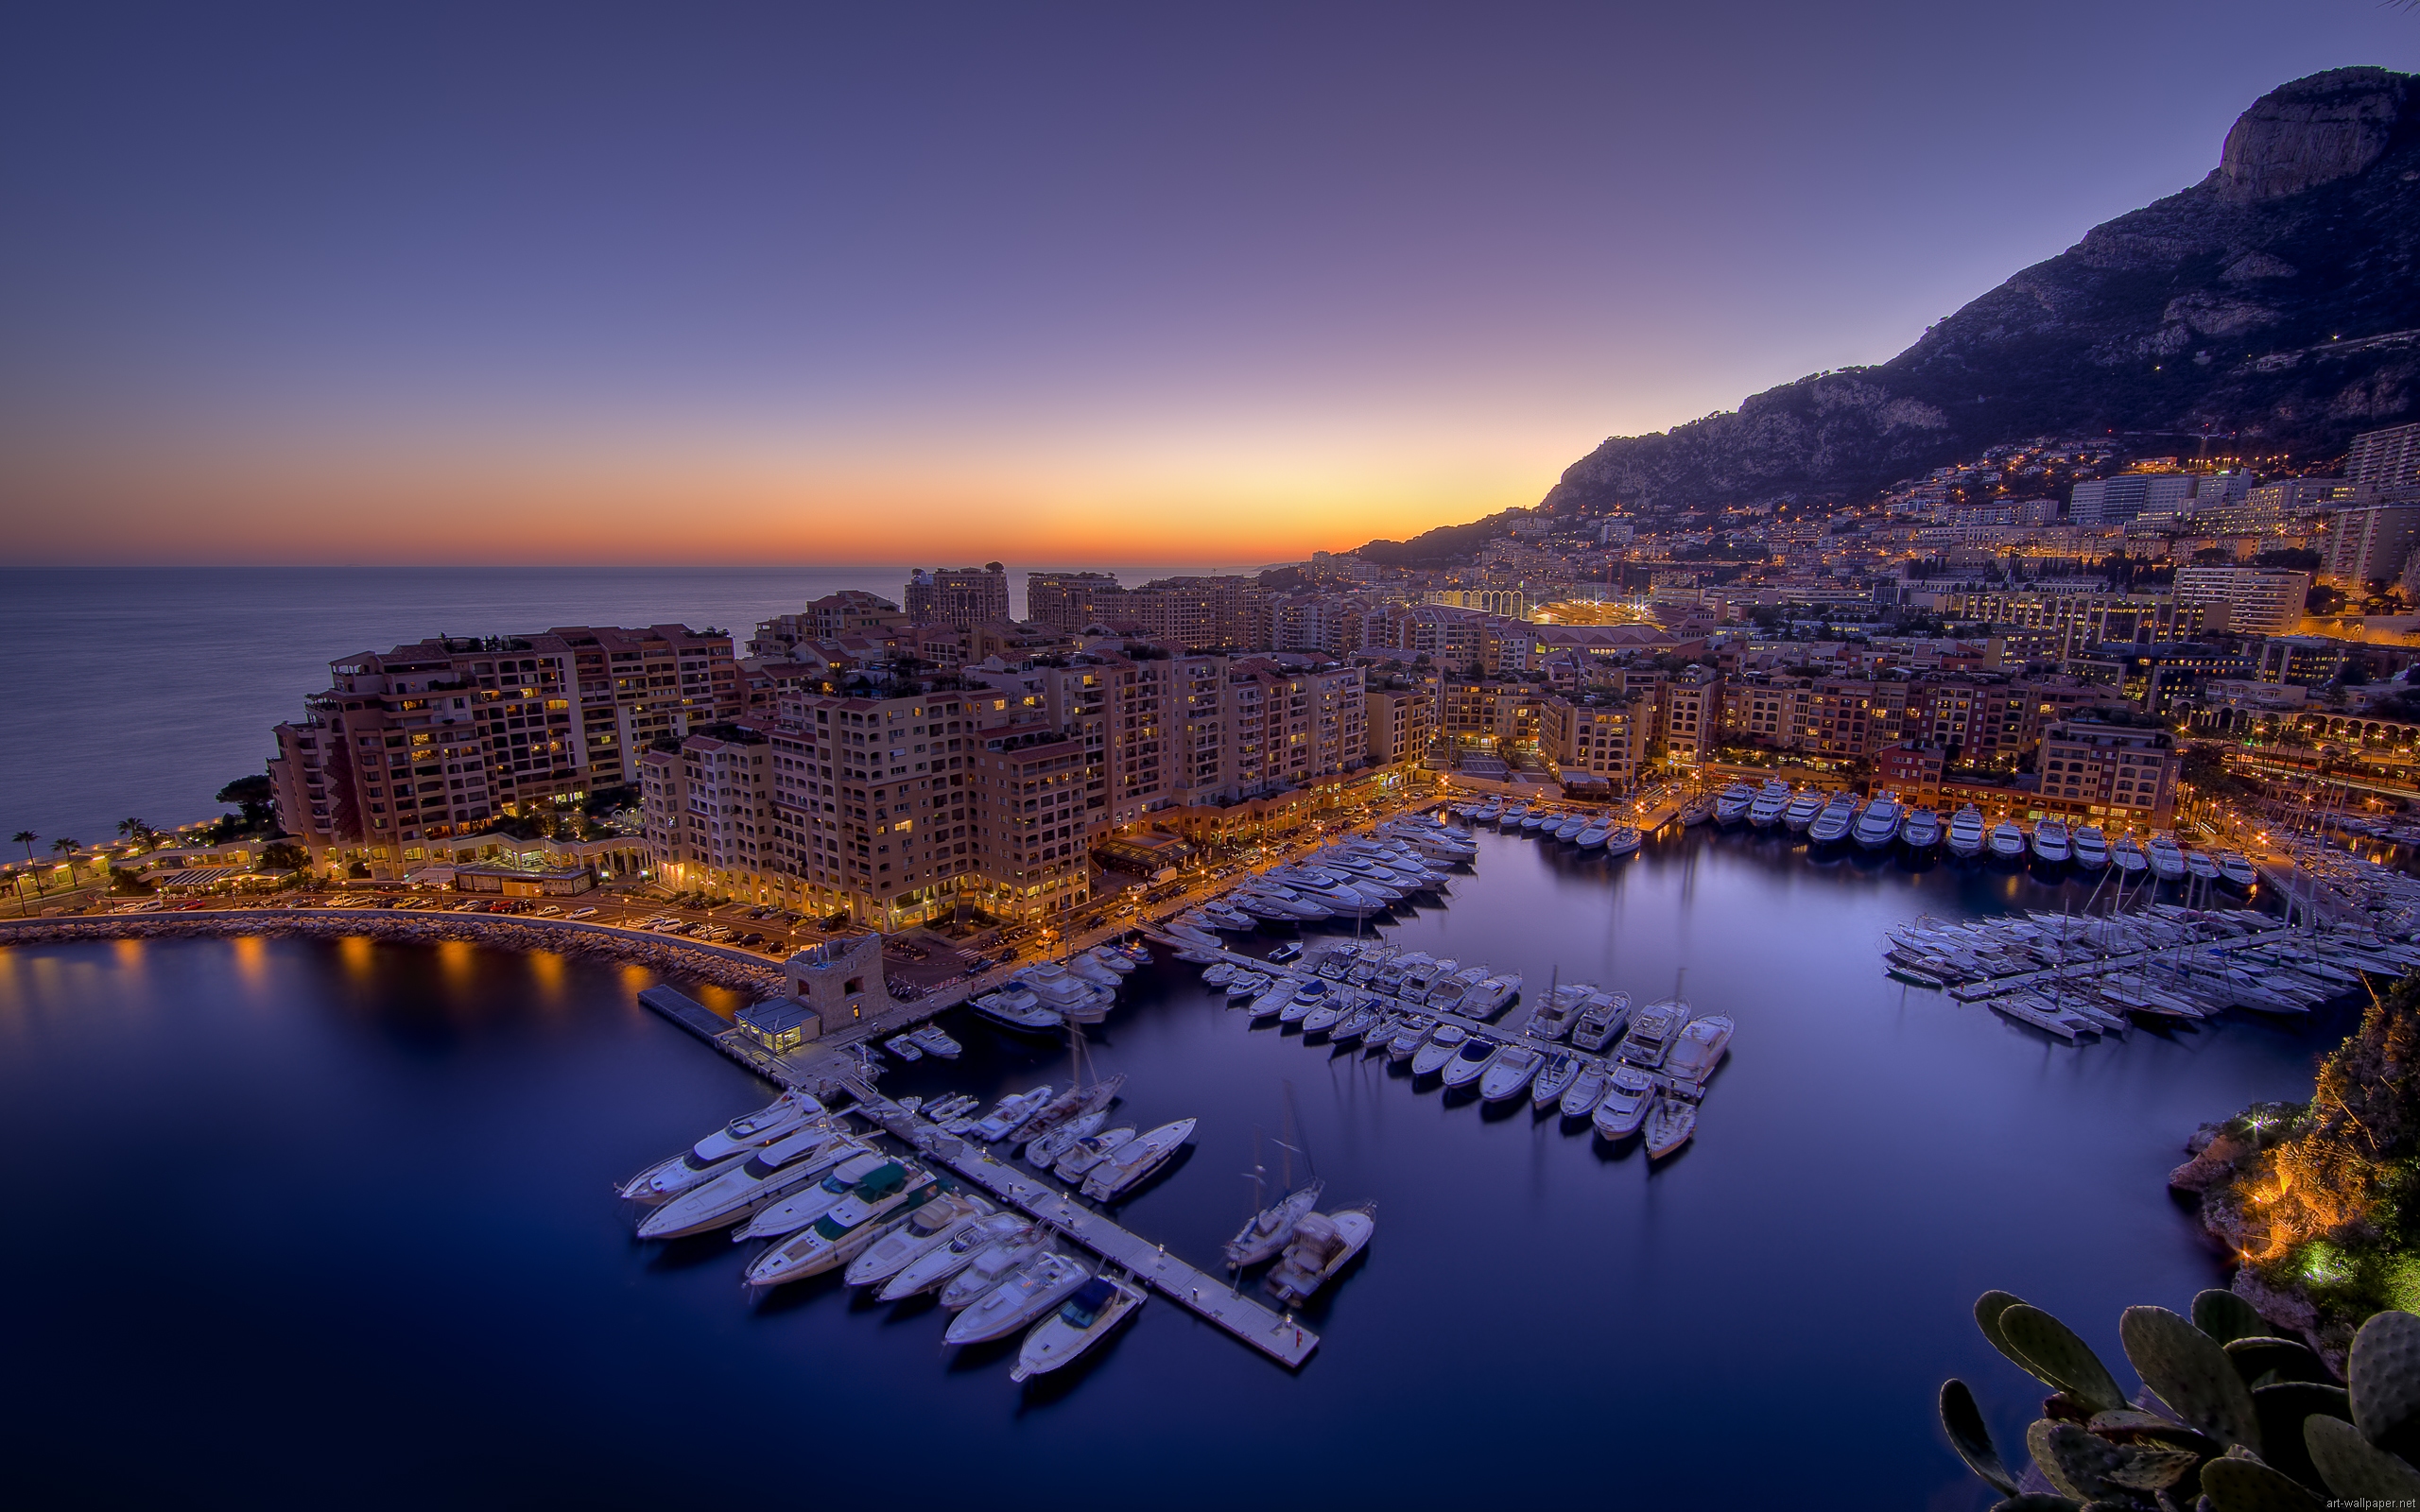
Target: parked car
581,913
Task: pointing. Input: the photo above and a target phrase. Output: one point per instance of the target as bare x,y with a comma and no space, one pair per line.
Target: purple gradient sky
729,282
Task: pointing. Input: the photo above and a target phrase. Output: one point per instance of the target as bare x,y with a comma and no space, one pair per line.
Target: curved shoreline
732,969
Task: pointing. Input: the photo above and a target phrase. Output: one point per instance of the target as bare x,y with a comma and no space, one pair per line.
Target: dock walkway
1993,986
1206,1295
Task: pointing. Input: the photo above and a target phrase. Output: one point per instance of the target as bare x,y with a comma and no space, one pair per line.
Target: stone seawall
698,962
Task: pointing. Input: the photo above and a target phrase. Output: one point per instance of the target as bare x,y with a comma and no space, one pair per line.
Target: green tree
283,857
67,848
26,838
254,797
136,830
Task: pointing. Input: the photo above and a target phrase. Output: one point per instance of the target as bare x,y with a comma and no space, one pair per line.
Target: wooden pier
1206,1295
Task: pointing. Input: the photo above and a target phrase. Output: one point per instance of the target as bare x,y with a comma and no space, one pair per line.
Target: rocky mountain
2276,302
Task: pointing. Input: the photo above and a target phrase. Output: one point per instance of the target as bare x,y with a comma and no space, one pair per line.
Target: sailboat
1266,1232
1078,1100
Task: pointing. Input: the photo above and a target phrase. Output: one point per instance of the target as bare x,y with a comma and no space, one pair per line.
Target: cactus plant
2262,1361
2354,1467
2052,1352
2225,1316
1972,1437
2190,1372
2238,1484
2384,1375
2079,1463
2283,1408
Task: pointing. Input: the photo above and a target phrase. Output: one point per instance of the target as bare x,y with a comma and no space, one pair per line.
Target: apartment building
851,611
2369,543
2257,600
428,744
963,596
870,802
2112,774
1689,706
707,803
1071,601
1194,613
2385,462
2115,501
1606,737
1400,721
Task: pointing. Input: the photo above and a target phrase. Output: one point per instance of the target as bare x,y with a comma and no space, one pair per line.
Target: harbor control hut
840,980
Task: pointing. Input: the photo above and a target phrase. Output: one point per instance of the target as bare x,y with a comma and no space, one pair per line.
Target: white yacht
1086,1319
1731,805
804,1203
1090,1151
1441,1047
1624,839
1966,833
989,1266
1046,1150
1602,1020
1879,826
755,1181
1489,812
1034,1289
1595,836
1802,812
2167,858
930,1227
1410,1034
1469,1062
1669,1124
1323,1243
1652,1032
2051,844
1136,1159
2201,866
1832,825
938,1264
1265,1233
1008,1112
1013,1007
1514,814
1629,1090
2091,848
1700,1048
1510,1072
1486,998
723,1148
2236,871
2008,842
1093,969
1572,828
1553,1019
1072,1104
1586,1091
1922,831
1219,973
670,1178
1073,998
1766,809
2128,857
1310,994
1555,1078
855,1224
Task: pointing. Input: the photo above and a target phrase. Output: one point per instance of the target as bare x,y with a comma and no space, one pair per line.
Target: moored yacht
2167,858
1731,805
2008,842
1090,1151
1832,825
1764,810
1125,1166
1669,1124
1412,1032
2050,846
1879,826
2236,871
996,1262
1019,1298
938,1264
2091,848
1700,1048
1602,1020
1485,999
1555,1076
1651,1033
1443,1046
1013,1007
1265,1233
1921,832
1470,1061
1966,832
2128,857
1586,1091
1623,840
722,1149
1510,1072
1008,1112
856,1222
1802,812
928,1228
1628,1092
2201,866
1323,1244
762,1178
1085,1319
844,1167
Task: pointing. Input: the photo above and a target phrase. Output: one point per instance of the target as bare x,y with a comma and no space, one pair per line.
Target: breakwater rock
697,963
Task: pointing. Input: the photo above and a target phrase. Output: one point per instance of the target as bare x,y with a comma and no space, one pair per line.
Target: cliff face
2278,300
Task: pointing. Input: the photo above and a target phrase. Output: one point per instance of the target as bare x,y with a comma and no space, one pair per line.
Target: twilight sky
784,282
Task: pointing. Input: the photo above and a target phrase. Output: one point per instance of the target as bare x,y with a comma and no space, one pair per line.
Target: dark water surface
300,1224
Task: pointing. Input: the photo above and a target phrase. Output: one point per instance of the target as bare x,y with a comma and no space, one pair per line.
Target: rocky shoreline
691,962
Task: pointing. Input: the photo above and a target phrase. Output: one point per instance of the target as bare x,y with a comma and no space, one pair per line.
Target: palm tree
134,830
26,838
67,848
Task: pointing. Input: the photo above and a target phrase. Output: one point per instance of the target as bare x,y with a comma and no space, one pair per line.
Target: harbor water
320,1224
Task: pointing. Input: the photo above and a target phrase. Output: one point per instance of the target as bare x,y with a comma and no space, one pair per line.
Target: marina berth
832,1174
1125,1166
1966,833
1602,1020
1323,1244
1090,1151
1019,1298
887,1196
2091,848
1877,827
1081,1322
2008,842
2167,858
2050,844
1669,1124
936,1265
1766,809
1652,1032
1442,1045
760,1180
1700,1048
1629,1090
1586,1091
1921,830
1731,805
1468,1063
1832,825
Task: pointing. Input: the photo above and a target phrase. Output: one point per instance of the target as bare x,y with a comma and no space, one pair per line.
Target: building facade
963,596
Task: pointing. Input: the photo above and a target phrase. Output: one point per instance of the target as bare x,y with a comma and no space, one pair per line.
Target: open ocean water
140,691
306,1225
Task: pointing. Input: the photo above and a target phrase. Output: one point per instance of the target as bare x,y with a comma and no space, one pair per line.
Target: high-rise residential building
2116,774
2115,501
850,612
963,596
1602,737
1070,601
412,750
1401,723
706,799
2386,462
2370,543
2258,600
1216,612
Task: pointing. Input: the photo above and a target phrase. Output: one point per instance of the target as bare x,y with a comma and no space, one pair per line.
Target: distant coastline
695,960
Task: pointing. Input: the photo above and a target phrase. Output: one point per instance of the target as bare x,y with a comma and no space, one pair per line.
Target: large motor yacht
1652,1032
1700,1048
1832,825
1731,804
883,1198
2051,844
762,1178
1879,824
1802,812
1602,1020
1629,1091
2091,848
1764,810
723,1148
2167,858
1138,1157
1921,832
1085,1319
1966,833
1033,1290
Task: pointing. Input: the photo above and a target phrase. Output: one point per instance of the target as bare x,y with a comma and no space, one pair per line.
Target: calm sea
138,692
316,1225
